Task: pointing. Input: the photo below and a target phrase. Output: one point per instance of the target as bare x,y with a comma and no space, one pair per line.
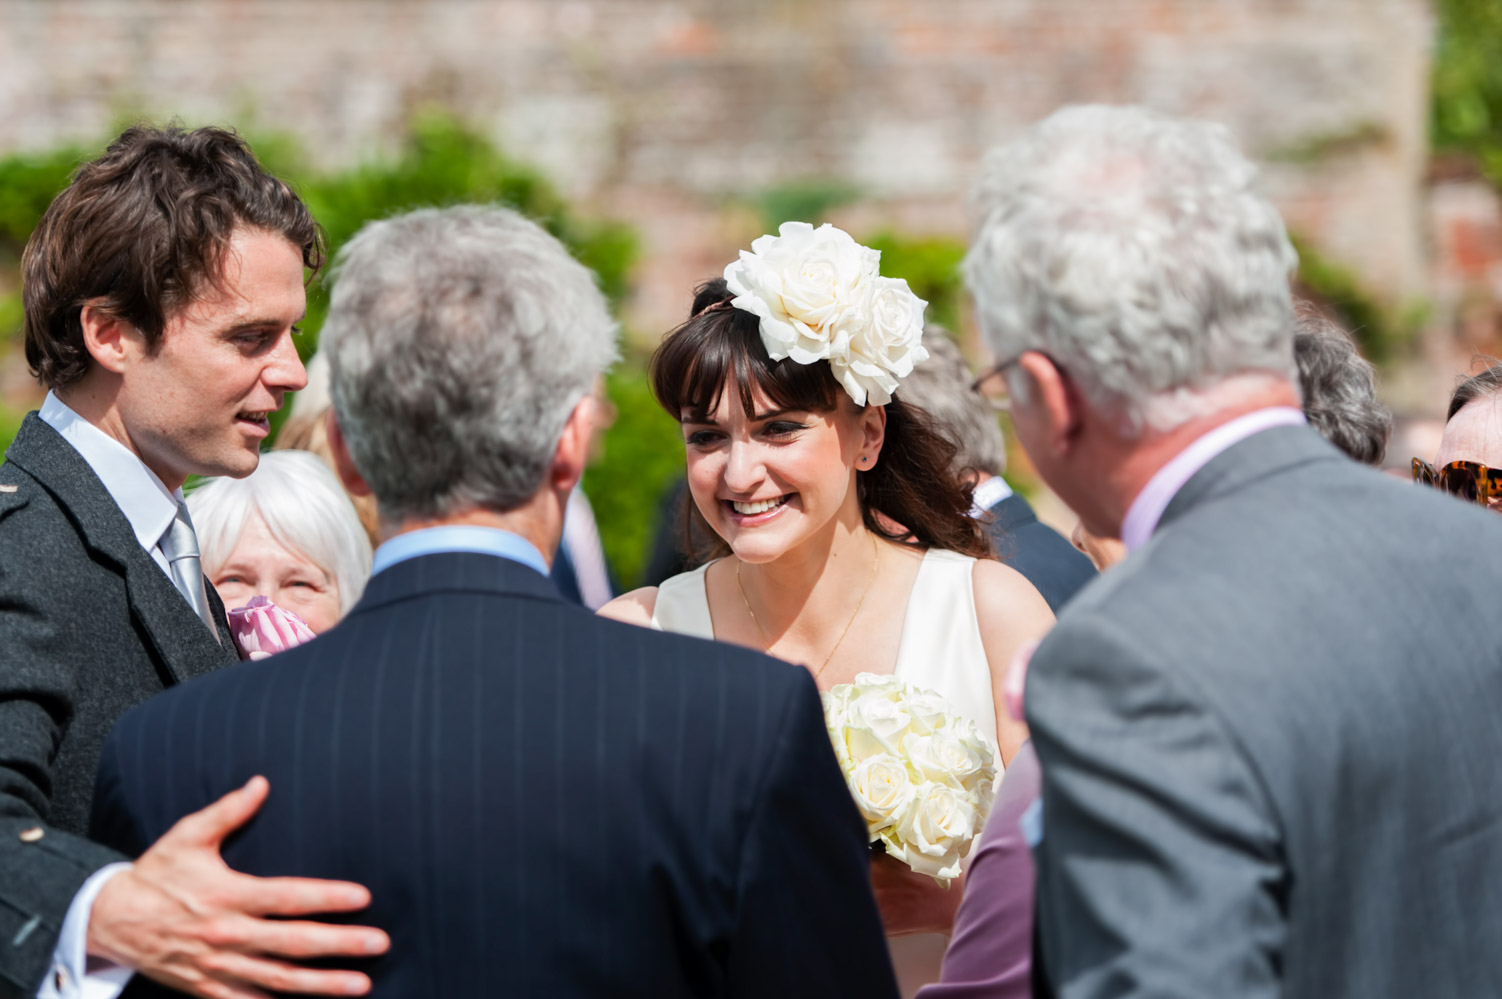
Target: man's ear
572,453
111,341
1055,397
873,436
344,465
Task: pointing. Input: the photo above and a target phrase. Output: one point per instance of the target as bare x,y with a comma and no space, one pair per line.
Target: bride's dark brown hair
914,495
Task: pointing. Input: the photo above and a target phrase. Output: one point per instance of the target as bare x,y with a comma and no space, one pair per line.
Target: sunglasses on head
1470,480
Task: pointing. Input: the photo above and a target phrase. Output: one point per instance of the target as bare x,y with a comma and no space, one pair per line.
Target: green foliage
1466,108
10,422
1318,148
809,200
28,183
443,162
1377,328
931,266
643,454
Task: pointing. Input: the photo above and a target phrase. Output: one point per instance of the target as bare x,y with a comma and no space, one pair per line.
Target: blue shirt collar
458,538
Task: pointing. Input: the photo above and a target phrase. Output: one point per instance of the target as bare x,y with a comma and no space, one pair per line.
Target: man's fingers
209,826
246,974
303,941
296,896
214,988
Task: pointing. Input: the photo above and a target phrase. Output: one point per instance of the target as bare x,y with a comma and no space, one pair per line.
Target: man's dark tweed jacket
90,626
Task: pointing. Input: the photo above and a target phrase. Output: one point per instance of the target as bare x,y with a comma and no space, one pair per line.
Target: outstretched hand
182,917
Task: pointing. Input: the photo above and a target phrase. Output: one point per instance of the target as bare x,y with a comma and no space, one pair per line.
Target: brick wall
655,111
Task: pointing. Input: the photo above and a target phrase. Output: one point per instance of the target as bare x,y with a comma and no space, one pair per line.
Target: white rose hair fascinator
819,296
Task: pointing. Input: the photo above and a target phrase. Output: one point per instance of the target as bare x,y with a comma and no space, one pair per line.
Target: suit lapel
178,636
1245,462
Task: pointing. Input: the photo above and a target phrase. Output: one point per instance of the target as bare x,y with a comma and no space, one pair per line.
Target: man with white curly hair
1262,735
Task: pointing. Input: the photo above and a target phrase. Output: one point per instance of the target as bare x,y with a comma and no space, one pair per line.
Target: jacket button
31,835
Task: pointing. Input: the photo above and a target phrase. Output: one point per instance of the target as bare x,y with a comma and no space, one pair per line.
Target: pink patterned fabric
261,629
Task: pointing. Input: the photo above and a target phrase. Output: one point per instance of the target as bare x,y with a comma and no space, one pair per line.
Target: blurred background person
1469,461
287,532
944,387
306,430
580,569
1339,388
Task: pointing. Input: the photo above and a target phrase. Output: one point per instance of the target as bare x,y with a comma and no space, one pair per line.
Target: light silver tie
180,545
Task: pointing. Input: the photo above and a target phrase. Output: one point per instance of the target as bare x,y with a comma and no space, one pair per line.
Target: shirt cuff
71,976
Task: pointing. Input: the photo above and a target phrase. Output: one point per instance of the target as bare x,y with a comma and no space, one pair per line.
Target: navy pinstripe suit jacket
542,802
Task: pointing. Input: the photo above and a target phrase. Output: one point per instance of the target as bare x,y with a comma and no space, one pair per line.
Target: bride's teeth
751,509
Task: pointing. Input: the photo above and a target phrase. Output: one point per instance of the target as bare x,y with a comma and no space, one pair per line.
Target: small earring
865,460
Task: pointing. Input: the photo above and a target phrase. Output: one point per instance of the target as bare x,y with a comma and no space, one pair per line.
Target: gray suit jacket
1271,743
90,626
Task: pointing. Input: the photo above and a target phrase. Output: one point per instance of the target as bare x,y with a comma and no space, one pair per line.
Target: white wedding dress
941,651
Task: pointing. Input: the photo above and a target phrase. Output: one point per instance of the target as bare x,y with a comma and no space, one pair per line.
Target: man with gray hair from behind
542,802
1259,735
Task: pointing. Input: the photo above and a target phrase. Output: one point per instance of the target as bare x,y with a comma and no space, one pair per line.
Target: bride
842,535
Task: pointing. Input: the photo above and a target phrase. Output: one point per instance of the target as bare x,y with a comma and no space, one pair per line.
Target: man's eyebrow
241,325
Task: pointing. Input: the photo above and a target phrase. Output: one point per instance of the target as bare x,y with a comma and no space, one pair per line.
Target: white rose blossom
819,296
882,789
922,777
942,758
938,829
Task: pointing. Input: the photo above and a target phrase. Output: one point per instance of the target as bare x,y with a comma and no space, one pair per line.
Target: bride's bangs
695,362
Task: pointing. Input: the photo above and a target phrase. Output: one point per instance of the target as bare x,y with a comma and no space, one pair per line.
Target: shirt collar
458,538
149,506
988,494
1147,509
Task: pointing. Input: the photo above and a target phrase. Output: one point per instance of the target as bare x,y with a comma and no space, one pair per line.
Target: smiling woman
841,535
287,532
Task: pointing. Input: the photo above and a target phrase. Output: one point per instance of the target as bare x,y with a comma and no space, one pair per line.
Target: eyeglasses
993,387
990,385
1470,480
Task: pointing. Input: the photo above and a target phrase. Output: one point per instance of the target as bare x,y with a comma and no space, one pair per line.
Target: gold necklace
766,644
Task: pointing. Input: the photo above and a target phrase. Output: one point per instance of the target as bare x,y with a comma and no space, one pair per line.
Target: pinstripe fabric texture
542,802
1270,743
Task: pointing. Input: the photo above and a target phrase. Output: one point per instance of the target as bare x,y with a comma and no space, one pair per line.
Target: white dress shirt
149,506
989,493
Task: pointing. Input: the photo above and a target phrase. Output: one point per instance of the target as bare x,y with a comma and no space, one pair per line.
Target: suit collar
147,503
450,572
1147,508
179,637
1246,462
1012,513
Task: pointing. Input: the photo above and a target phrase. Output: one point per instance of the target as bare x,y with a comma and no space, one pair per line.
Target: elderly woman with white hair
288,533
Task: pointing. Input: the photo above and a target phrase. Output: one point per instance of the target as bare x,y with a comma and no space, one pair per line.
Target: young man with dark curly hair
161,291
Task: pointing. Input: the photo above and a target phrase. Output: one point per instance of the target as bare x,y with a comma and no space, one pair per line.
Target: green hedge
642,455
1466,85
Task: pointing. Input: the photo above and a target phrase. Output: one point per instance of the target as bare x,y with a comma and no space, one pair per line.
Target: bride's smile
772,479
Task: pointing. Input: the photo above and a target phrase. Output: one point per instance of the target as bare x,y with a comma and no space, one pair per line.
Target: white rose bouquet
922,777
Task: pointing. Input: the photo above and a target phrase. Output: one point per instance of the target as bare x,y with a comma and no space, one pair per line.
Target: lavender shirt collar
1147,509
